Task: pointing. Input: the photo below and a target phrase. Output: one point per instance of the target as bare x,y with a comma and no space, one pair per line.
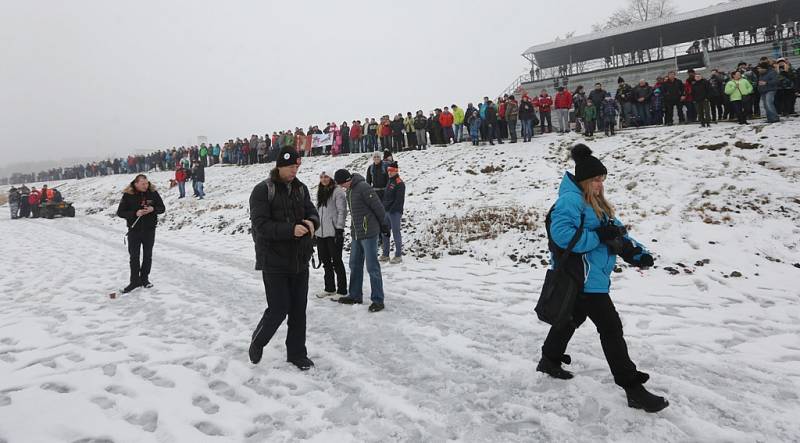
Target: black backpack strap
270,190
572,242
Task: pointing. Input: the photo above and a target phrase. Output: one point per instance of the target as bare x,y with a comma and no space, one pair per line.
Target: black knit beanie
586,165
620,80
287,157
342,176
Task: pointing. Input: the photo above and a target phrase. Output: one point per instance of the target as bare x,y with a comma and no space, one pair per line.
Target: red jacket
564,100
543,103
446,119
386,130
687,91
355,131
180,175
502,111
34,198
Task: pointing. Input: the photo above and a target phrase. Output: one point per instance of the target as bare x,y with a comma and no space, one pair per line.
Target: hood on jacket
131,190
355,179
569,185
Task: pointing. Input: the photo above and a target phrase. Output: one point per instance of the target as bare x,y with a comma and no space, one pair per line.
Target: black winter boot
131,287
255,352
553,369
640,398
303,364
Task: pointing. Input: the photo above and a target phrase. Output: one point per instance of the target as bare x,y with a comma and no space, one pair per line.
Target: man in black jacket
283,224
198,179
672,91
377,176
492,131
701,91
597,96
140,206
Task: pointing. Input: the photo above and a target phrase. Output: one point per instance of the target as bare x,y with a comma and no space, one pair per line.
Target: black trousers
738,107
668,113
717,110
286,297
600,309
398,142
330,255
141,241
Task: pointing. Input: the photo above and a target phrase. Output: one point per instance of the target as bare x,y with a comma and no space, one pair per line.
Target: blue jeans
372,145
527,129
182,189
458,132
198,189
394,221
768,103
359,251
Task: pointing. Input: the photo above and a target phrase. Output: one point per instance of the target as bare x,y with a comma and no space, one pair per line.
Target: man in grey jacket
368,220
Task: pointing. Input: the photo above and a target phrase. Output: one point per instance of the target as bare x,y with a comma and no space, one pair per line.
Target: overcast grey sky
95,77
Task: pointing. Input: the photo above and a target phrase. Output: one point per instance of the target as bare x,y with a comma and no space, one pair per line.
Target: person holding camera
283,224
582,202
368,220
140,206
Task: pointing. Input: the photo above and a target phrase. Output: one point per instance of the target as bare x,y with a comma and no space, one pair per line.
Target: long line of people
769,88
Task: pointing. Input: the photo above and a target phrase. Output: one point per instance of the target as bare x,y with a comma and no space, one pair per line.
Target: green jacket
737,90
458,116
590,113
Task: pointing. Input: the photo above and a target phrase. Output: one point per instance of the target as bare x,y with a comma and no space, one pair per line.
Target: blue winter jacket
474,126
771,79
598,261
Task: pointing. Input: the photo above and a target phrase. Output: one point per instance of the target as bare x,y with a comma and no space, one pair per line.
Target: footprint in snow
110,369
204,403
148,420
56,387
75,357
150,375
208,428
119,390
104,402
9,341
139,357
225,391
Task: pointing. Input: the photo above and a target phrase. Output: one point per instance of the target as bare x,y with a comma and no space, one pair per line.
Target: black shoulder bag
560,290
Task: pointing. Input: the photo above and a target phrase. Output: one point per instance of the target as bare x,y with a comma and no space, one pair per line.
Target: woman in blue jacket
581,196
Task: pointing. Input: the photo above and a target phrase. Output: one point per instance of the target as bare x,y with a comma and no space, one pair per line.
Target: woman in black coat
140,206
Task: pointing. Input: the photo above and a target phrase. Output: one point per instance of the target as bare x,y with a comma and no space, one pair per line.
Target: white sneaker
324,294
383,258
396,260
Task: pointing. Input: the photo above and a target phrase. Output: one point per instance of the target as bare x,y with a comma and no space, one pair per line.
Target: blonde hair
598,202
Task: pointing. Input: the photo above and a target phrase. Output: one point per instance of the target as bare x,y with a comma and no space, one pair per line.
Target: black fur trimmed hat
586,165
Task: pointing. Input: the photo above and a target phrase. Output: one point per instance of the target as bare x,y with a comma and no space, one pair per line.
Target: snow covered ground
716,323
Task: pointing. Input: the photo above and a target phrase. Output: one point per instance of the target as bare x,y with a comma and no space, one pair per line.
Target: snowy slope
716,323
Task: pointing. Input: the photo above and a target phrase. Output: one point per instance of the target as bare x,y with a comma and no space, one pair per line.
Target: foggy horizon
95,79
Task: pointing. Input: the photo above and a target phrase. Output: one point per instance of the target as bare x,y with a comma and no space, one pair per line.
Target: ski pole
125,239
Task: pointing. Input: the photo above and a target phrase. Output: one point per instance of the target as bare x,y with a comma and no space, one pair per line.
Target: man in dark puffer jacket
283,223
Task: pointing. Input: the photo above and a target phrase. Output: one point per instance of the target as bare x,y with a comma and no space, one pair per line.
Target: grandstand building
718,36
